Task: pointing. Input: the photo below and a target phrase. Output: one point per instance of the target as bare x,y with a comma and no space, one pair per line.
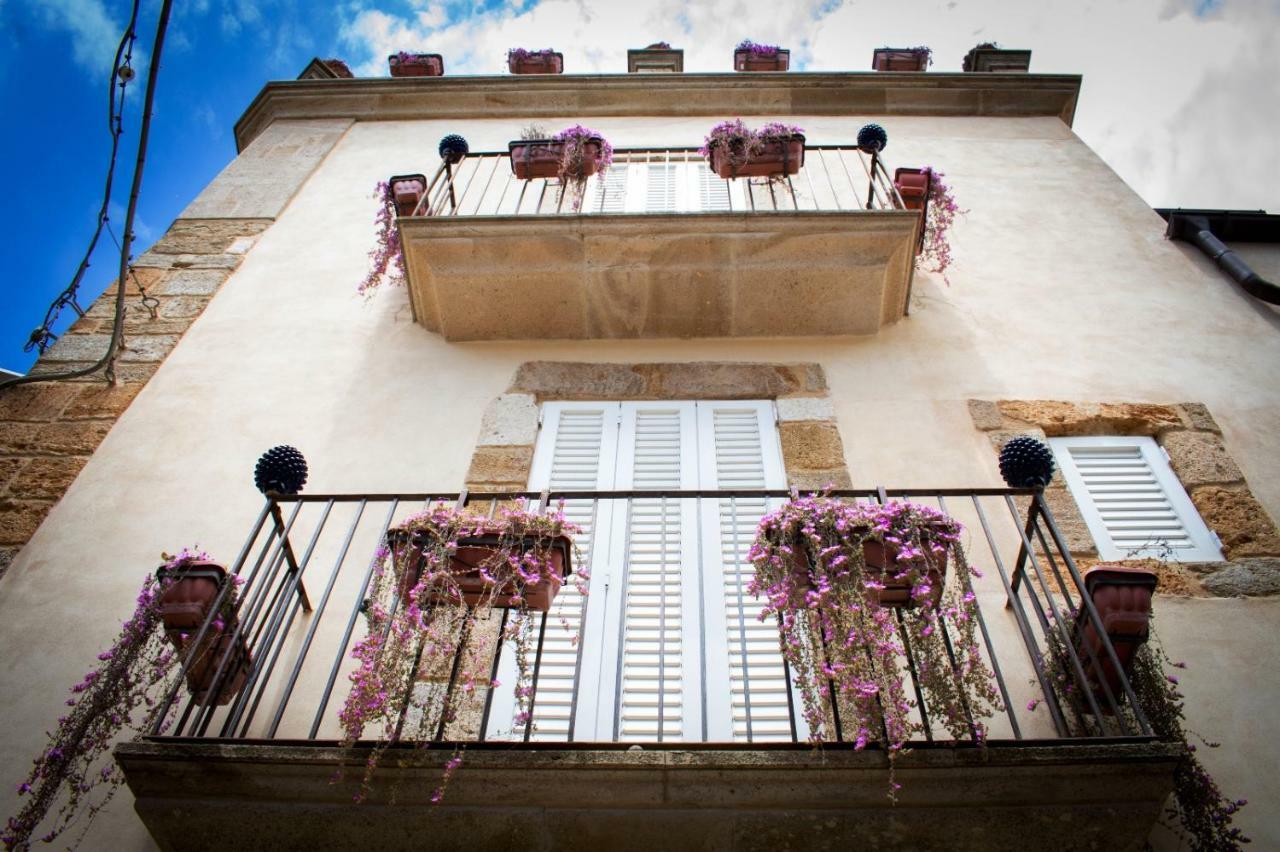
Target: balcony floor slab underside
608,276
205,794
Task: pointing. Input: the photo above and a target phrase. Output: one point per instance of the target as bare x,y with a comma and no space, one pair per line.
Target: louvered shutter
611,190
1131,500
651,628
660,187
576,450
713,190
747,685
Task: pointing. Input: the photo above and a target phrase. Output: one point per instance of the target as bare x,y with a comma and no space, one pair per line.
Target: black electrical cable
43,336
116,125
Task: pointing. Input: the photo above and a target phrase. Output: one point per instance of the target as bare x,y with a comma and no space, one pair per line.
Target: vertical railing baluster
1024,627
315,622
986,635
278,630
356,608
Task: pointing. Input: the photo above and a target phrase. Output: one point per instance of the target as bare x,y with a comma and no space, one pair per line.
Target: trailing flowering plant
942,207
432,630
519,54
121,693
837,636
1200,813
758,49
739,143
386,259
918,50
580,148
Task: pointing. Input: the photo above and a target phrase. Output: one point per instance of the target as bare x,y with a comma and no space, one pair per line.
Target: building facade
675,332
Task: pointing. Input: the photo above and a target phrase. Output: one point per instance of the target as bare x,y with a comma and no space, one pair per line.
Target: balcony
695,743
661,247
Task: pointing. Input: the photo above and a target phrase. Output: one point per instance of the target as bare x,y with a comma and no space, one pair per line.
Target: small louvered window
1133,503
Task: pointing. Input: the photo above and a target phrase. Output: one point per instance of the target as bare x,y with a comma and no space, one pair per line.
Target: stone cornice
858,93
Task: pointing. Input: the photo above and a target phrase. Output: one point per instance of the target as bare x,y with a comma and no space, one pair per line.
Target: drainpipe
1196,230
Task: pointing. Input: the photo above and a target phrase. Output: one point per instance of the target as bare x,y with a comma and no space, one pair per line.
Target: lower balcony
664,714
661,247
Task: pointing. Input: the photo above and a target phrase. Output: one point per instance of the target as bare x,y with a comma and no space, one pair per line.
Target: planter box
184,606
407,191
418,65
1122,597
655,60
997,60
883,560
913,186
187,602
540,158
745,60
470,554
538,63
893,59
774,159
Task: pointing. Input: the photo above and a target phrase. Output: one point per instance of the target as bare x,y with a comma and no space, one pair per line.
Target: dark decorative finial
1026,463
281,469
872,138
453,148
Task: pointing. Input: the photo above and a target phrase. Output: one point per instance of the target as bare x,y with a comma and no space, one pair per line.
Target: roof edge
717,94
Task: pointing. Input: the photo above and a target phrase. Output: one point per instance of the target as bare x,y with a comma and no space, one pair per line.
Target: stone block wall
48,430
812,451
1199,458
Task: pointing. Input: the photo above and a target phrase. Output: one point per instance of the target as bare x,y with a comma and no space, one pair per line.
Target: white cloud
1178,95
94,35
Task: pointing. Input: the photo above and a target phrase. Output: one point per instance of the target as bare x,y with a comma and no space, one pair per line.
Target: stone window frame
1199,458
812,450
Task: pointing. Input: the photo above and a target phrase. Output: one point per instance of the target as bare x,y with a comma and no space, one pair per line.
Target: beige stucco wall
1063,287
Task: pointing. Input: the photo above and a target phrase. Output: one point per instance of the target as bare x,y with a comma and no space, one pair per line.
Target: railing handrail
838,183
1044,589
672,493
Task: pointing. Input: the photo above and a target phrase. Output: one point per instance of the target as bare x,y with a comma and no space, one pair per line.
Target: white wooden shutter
713,190
747,686
576,450
1131,500
611,190
651,630
661,187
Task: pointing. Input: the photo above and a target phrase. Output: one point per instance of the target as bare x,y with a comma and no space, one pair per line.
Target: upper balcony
662,707
660,246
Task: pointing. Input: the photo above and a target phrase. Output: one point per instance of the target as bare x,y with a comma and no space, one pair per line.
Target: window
663,183
1131,500
671,647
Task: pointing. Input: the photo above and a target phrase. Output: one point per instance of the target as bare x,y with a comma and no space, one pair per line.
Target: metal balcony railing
663,180
306,576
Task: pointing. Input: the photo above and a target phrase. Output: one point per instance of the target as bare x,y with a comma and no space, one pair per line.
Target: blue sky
1179,95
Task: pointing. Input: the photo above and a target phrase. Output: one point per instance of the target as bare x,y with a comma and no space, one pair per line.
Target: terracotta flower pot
913,186
407,191
883,561
746,60
1122,597
187,602
774,159
892,59
540,158
206,660
416,65
184,606
465,565
537,63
